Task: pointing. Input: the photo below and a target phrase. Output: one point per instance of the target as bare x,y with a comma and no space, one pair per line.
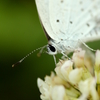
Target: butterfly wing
59,17
43,10
73,19
68,19
90,31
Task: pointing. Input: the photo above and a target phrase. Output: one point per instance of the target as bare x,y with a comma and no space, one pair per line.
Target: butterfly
69,23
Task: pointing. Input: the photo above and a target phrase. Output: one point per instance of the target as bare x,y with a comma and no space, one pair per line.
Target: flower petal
75,75
78,58
58,93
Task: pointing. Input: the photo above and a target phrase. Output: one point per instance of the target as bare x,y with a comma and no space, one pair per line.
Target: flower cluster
75,79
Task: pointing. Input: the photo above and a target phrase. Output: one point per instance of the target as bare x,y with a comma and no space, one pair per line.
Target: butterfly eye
52,50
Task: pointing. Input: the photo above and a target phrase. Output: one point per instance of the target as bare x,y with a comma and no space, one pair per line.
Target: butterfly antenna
29,55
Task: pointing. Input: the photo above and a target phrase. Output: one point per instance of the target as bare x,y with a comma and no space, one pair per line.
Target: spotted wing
73,19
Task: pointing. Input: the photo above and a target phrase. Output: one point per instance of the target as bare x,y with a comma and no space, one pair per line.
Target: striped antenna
29,55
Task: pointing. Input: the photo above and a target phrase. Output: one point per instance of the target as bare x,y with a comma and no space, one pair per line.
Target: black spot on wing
71,22
88,24
57,20
62,1
61,39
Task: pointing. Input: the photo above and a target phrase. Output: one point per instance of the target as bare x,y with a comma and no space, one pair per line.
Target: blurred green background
20,33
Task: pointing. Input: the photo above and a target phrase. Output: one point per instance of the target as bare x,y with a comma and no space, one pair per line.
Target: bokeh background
20,33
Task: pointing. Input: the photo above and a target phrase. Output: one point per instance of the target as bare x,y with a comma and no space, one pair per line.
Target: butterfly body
68,22
63,46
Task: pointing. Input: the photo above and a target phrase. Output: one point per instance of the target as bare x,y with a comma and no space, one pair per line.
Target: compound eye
52,48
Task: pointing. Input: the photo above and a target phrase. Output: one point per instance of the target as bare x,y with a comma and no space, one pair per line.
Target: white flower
48,86
74,79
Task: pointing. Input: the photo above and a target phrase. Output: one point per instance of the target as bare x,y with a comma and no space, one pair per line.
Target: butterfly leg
54,59
65,55
86,45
